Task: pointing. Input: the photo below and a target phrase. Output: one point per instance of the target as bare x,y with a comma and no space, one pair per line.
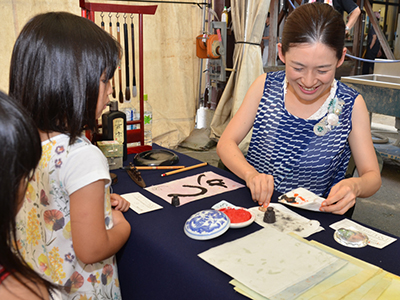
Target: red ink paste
239,215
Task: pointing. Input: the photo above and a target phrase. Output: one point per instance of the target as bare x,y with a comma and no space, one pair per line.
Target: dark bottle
114,126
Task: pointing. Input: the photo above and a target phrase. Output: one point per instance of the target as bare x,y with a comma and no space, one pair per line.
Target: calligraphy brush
127,91
121,95
134,89
102,22
113,79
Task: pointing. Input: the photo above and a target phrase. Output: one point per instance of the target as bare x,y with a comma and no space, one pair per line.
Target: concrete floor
381,211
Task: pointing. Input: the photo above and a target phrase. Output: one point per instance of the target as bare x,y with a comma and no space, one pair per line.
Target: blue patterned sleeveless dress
287,148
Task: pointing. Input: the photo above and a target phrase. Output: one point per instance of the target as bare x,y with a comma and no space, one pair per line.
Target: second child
67,229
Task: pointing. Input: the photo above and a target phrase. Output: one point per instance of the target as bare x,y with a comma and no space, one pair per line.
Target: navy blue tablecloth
160,262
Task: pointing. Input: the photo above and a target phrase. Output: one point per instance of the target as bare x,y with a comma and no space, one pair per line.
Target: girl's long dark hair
20,153
55,71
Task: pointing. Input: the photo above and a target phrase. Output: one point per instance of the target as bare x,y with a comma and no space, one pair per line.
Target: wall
171,68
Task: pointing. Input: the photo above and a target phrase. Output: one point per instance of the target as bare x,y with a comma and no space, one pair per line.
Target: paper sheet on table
393,290
268,261
350,278
376,239
194,187
370,288
294,291
288,221
140,203
302,198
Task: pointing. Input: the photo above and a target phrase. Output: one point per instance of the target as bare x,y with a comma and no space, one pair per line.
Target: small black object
175,201
135,175
155,157
269,215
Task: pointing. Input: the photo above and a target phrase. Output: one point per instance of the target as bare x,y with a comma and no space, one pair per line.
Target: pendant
320,128
333,119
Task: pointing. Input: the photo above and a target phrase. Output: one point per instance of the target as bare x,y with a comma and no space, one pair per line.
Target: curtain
248,21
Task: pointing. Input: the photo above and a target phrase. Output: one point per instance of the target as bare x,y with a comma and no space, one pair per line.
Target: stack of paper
269,264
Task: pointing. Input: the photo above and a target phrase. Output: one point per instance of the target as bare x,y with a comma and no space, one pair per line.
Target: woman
306,124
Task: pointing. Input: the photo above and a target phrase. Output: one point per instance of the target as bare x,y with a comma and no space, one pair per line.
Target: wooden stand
88,11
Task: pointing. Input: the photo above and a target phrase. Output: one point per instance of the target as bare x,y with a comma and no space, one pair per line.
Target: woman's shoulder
276,75
344,89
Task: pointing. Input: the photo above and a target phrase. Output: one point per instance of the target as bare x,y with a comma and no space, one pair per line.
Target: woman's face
310,69
104,90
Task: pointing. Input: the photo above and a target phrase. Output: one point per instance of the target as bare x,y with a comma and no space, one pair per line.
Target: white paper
302,198
140,203
376,239
222,204
288,221
268,261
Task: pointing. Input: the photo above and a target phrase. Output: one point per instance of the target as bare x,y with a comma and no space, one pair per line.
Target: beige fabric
171,67
13,15
248,21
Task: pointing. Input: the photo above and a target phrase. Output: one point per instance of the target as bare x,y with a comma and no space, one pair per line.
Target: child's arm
92,242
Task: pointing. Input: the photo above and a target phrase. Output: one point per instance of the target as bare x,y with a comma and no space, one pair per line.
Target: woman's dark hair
314,22
56,65
20,153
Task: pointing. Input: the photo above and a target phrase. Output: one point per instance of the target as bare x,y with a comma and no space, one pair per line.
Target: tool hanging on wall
212,46
120,95
102,21
134,89
208,49
113,78
126,44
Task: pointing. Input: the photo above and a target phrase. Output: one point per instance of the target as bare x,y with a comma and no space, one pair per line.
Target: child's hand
119,203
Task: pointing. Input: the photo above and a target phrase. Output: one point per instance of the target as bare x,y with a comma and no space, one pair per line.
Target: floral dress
43,223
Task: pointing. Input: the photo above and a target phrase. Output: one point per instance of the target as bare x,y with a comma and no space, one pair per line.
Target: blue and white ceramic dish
206,224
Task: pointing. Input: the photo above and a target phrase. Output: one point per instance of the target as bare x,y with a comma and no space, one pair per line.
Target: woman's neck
301,108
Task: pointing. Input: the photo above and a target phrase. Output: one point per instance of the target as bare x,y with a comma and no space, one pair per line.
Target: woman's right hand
261,187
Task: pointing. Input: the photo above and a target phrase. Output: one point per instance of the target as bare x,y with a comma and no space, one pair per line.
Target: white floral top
43,223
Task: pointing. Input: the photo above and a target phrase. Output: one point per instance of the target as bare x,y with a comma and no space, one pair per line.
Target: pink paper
194,187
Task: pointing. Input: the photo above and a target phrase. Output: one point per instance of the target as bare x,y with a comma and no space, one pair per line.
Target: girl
60,71
19,156
306,123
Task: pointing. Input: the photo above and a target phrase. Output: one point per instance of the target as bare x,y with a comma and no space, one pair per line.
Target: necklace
331,120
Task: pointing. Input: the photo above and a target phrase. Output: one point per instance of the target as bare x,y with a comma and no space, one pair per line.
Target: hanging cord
214,13
371,60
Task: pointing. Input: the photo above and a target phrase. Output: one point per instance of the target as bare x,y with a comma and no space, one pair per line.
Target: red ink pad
240,217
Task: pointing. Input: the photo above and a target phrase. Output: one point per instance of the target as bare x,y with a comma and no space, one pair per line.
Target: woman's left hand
341,197
119,203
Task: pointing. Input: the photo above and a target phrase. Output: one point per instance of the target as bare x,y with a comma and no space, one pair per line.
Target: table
160,262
